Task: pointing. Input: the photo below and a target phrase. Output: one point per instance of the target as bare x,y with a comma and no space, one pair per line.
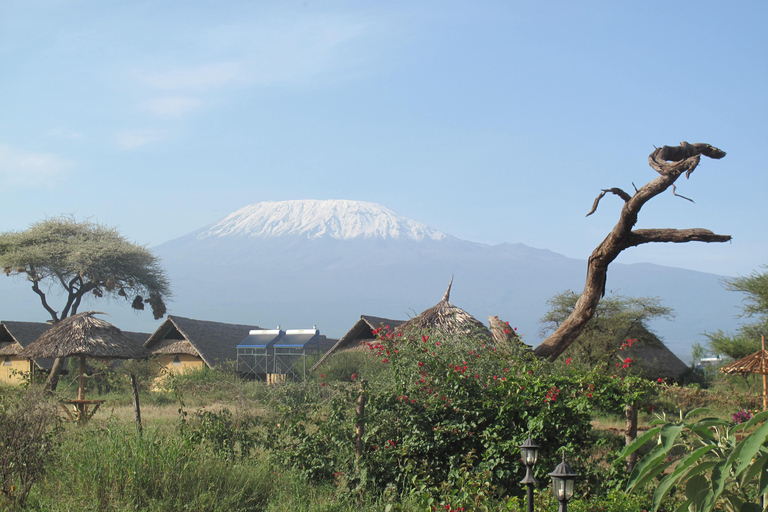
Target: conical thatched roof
754,363
656,361
447,318
84,334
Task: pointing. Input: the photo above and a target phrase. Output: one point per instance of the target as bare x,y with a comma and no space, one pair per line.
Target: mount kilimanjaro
325,263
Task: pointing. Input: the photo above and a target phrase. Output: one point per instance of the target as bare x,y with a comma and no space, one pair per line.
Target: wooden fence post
360,423
136,407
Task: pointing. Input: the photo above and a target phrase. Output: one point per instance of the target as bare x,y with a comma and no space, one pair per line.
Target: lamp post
529,451
562,484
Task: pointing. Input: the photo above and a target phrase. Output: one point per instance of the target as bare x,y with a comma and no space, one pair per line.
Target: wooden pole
81,387
136,407
360,423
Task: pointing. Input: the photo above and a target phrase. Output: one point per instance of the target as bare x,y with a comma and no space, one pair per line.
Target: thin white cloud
171,106
19,168
135,139
281,51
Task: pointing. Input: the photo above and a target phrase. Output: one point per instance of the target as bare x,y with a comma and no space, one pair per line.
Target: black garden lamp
562,484
529,451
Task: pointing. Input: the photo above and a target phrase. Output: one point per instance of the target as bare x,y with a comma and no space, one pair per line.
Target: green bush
29,435
446,402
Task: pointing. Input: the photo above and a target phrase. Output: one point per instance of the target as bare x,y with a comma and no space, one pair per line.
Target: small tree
616,319
746,340
670,162
63,257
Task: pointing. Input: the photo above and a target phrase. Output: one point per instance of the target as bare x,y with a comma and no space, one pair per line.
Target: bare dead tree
670,162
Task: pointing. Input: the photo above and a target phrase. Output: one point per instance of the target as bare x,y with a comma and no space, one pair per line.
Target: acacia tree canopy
616,319
61,257
78,258
746,340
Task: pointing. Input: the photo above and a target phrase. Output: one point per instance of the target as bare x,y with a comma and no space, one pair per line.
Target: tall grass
116,469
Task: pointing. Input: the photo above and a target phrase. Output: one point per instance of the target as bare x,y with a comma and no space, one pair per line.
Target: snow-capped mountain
338,219
325,263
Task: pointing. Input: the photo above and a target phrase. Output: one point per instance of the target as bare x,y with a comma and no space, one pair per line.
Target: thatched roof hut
447,318
84,335
356,337
213,342
15,336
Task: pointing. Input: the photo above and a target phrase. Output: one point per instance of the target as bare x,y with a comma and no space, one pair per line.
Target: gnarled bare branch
626,197
670,162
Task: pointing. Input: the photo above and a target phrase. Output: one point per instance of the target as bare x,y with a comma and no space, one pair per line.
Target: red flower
322,384
385,360
568,361
353,376
424,338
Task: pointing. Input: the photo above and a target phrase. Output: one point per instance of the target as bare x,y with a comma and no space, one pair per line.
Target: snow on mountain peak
339,219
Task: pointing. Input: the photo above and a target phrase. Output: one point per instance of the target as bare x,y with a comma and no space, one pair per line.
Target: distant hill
324,263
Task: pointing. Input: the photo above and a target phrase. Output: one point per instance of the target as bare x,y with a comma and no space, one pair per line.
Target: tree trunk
630,433
670,162
52,382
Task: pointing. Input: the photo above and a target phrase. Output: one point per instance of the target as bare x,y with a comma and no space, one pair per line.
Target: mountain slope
324,263
328,262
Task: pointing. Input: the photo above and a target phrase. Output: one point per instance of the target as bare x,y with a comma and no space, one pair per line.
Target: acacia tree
616,319
746,340
670,162
63,258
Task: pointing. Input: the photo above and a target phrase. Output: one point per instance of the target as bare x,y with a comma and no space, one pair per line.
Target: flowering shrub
446,412
742,416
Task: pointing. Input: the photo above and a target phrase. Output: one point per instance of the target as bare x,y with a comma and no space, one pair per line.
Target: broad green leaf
754,469
638,442
696,490
763,488
646,464
720,474
651,474
684,506
670,480
744,452
695,412
668,435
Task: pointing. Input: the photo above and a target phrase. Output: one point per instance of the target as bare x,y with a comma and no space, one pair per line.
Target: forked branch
670,162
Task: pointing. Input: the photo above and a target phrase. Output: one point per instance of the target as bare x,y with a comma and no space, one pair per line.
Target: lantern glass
529,456
563,488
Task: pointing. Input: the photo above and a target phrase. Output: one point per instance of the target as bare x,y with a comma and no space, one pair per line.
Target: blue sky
491,121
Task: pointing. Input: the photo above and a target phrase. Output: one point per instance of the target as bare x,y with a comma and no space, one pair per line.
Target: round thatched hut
83,335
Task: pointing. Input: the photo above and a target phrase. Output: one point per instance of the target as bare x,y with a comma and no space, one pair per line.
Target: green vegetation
615,320
444,415
746,340
77,260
